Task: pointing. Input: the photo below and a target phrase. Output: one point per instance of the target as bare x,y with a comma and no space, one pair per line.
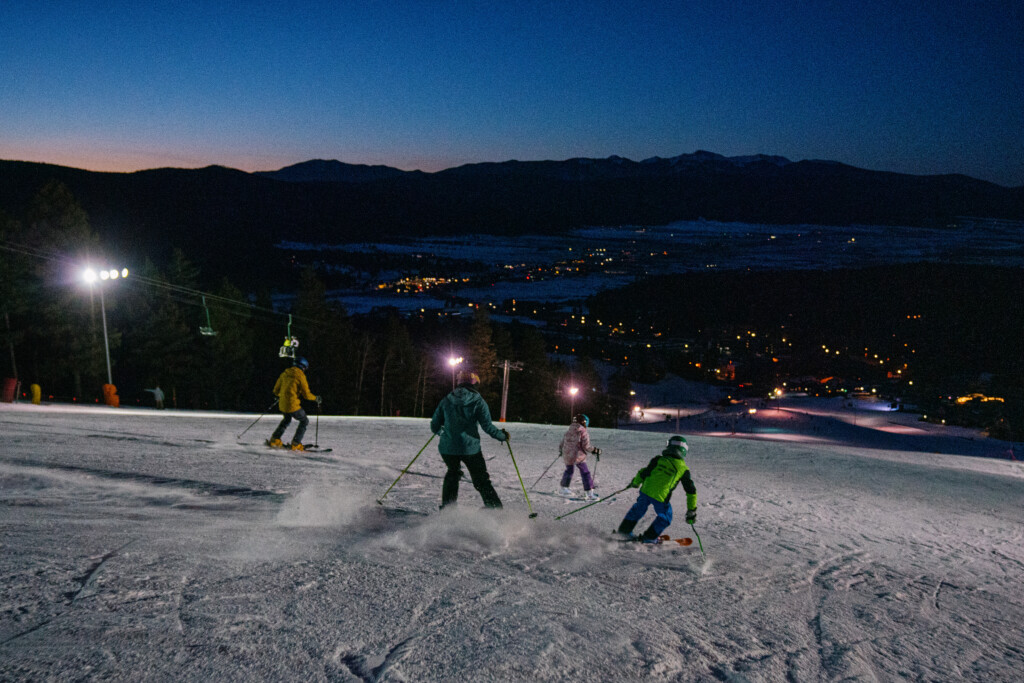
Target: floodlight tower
453,362
92,277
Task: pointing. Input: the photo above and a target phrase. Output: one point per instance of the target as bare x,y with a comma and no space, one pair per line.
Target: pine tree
162,346
231,349
15,279
482,354
400,370
327,339
531,395
65,336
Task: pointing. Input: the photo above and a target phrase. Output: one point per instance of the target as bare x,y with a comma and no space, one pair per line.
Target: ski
305,449
401,512
580,499
678,541
664,539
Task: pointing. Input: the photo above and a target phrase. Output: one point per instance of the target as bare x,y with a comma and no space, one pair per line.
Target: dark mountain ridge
217,214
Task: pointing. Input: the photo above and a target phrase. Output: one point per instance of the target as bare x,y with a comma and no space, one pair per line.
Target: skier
656,482
158,397
574,449
456,420
290,386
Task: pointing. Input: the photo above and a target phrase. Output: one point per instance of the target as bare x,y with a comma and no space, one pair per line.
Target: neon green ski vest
663,473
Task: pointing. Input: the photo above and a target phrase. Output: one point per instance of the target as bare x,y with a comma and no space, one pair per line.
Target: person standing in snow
656,482
456,420
574,449
158,397
292,385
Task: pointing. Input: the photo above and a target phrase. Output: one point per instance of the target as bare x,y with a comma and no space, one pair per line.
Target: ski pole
380,501
257,419
603,500
316,437
545,472
530,507
701,545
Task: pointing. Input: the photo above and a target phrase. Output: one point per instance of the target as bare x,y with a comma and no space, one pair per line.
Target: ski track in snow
145,545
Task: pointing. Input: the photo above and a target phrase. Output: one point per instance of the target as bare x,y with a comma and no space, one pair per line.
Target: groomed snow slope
152,545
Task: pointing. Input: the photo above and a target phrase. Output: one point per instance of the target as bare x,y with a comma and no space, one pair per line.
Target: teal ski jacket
663,473
456,420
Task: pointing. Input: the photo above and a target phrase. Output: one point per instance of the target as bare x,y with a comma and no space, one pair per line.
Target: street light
572,402
91,276
454,362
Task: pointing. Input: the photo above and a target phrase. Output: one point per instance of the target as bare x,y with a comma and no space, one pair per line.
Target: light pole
506,365
91,276
454,362
572,403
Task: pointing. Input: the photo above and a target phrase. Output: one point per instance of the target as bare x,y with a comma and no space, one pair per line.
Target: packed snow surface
142,544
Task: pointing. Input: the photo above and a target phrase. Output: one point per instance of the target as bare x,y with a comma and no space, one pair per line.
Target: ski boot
626,528
274,443
298,447
565,492
650,536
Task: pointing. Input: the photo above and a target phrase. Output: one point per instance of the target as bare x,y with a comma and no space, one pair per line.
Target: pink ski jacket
575,444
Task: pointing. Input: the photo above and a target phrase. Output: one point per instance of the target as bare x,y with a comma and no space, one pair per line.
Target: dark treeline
374,365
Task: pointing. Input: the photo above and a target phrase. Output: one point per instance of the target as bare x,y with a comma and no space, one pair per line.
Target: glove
597,452
691,516
319,400
508,436
635,484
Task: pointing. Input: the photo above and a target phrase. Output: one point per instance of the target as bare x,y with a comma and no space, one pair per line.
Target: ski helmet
302,364
467,377
678,442
582,419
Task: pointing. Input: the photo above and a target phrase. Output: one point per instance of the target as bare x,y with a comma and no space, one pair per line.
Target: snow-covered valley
141,544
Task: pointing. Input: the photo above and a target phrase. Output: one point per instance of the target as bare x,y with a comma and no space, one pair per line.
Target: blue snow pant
663,518
588,481
300,431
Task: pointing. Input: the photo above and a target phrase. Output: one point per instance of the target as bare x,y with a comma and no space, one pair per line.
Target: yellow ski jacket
289,387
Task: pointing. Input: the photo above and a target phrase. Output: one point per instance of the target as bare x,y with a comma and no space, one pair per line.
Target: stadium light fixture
91,277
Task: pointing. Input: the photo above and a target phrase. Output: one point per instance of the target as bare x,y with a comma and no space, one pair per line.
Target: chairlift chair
291,343
207,330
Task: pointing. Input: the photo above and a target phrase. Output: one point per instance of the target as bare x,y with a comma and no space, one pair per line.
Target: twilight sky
899,85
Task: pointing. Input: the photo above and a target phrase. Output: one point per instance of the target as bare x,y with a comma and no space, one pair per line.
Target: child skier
656,483
290,386
574,449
